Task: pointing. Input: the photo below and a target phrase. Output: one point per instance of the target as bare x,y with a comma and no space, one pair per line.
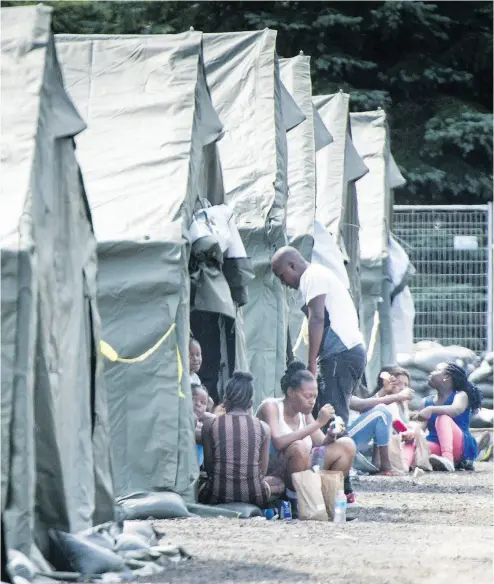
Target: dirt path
433,530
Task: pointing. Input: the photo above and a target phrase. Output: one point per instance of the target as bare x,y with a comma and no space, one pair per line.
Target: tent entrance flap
216,335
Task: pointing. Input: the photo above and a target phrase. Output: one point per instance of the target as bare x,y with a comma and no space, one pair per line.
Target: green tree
429,65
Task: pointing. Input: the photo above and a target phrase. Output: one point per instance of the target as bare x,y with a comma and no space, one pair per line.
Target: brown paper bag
310,499
331,483
422,452
396,459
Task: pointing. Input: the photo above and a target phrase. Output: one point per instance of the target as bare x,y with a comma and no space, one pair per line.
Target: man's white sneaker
441,463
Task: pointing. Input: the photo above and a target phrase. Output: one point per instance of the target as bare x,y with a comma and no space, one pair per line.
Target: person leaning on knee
296,437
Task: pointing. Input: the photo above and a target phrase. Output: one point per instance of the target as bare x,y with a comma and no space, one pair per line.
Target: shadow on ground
421,485
228,571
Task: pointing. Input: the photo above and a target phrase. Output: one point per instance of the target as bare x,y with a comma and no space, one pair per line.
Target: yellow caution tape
180,373
109,352
373,337
303,335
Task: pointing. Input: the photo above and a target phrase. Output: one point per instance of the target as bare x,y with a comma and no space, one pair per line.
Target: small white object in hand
337,425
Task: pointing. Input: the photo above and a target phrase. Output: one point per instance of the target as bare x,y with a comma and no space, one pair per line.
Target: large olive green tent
243,78
55,452
145,162
338,168
370,134
310,136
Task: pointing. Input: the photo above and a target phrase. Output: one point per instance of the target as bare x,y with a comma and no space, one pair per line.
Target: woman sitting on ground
236,451
295,435
447,419
375,422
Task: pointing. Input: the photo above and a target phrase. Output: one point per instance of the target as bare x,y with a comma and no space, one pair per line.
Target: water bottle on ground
285,510
318,458
340,507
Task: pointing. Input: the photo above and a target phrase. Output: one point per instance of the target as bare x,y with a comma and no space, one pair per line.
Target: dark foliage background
428,64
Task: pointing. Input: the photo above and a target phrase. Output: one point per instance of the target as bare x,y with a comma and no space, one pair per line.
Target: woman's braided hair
295,374
239,391
460,381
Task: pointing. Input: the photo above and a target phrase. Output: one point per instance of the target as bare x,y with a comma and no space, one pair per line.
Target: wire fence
451,249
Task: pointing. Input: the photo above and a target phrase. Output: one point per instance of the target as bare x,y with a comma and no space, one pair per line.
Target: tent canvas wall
243,79
370,135
402,305
338,167
55,452
302,141
149,121
301,169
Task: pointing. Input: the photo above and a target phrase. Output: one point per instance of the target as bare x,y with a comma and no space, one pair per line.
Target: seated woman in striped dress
236,451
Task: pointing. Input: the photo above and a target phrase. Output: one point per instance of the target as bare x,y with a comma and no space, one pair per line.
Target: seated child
195,362
200,398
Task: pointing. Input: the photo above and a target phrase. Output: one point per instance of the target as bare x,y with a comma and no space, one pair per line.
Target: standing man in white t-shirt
335,341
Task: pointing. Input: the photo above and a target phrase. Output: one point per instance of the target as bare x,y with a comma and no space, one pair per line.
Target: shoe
485,447
465,465
351,501
441,463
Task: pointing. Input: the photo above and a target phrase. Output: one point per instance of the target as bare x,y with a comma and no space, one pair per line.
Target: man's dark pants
341,374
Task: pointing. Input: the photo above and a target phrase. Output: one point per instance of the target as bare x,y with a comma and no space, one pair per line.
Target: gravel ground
433,530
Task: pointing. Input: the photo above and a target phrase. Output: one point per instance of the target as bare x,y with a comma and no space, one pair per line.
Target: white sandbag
426,345
74,553
405,359
143,529
428,360
159,505
482,373
20,565
483,419
129,542
150,569
486,387
417,375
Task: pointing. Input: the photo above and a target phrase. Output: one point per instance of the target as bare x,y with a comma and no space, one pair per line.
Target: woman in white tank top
285,428
295,435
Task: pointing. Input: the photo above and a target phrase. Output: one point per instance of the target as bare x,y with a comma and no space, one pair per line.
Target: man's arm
264,458
363,404
316,330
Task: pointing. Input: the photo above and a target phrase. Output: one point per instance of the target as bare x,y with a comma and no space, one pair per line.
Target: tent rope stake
109,352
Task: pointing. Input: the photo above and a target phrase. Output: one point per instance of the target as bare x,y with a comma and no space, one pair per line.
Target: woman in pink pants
447,419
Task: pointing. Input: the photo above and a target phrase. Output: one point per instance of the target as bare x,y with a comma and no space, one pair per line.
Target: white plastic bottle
340,507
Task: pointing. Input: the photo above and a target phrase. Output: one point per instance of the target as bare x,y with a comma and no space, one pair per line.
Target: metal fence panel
451,250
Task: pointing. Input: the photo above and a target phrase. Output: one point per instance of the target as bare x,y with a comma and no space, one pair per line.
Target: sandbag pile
483,379
427,355
111,552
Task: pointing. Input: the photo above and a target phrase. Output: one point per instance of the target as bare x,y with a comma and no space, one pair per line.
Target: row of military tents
130,166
